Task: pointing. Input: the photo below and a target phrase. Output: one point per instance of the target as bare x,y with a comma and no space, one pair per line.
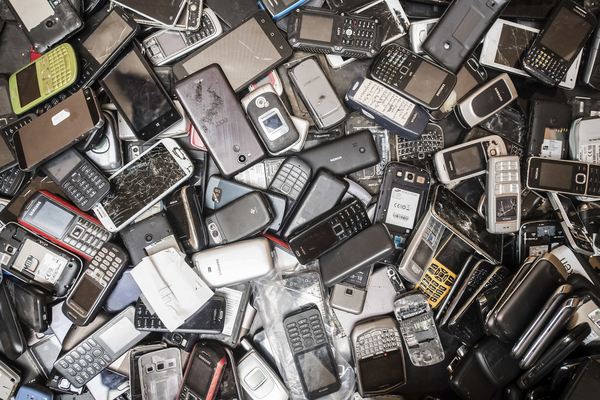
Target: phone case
160,374
217,115
148,232
460,31
324,193
134,372
549,116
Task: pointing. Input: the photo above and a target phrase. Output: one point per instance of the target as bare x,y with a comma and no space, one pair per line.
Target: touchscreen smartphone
165,12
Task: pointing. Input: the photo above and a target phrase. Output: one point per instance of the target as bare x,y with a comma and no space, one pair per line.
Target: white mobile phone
257,378
142,182
180,129
505,44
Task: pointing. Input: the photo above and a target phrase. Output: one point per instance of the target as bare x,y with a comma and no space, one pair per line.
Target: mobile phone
165,14
505,45
503,194
350,294
329,231
382,355
99,46
390,15
197,94
267,48
7,115
488,99
30,305
50,24
460,30
188,20
9,381
312,85
418,32
549,124
160,374
25,252
402,200
204,372
354,35
313,358
591,64
166,45
63,224
104,346
134,370
270,119
563,176
418,330
11,335
454,213
413,76
179,129
11,181
280,10
107,154
399,116
467,160
345,5
582,137
221,266
8,157
291,180
539,237
239,219
73,120
136,187
577,236
43,78
257,378
566,31
184,211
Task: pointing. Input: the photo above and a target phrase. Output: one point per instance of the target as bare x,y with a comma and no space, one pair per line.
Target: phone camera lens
215,233
177,338
148,237
10,249
49,23
242,158
410,176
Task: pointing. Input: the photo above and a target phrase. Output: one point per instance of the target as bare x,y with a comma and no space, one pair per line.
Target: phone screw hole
447,45
49,23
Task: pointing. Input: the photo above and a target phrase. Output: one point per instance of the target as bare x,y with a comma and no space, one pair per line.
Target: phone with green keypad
43,78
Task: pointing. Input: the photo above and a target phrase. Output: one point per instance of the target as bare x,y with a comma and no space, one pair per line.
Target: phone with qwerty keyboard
291,179
430,142
95,285
312,352
79,179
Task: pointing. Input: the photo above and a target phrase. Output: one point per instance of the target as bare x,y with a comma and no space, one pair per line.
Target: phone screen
387,370
107,37
165,12
317,368
86,293
514,41
50,218
565,33
316,27
426,82
27,85
199,376
170,42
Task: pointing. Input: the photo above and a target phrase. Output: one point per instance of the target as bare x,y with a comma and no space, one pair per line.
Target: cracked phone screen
141,183
513,43
107,37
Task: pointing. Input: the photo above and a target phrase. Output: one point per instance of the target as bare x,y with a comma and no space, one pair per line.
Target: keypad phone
431,141
291,180
80,180
11,181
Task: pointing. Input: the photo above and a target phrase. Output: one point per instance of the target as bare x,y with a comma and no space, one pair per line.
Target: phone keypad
424,148
306,332
290,180
435,283
552,68
390,68
376,342
106,265
85,185
11,180
593,184
206,30
507,177
349,221
56,70
87,237
84,362
146,321
358,33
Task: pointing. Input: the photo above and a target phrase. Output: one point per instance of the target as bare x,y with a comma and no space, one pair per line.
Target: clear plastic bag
276,296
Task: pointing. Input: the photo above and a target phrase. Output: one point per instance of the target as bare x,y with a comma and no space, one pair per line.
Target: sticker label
50,268
552,148
384,101
216,196
402,208
589,153
233,298
60,117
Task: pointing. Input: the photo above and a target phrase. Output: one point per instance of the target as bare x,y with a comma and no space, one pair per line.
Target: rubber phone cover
325,192
216,113
548,115
366,248
460,30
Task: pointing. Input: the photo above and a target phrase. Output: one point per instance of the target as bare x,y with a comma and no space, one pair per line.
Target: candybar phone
239,219
134,370
563,176
136,186
33,259
577,235
96,284
167,45
317,30
205,369
549,124
148,236
58,129
198,94
160,374
503,213
317,93
329,231
103,346
30,305
387,109
539,237
184,211
567,29
45,23
460,30
255,43
413,76
11,335
291,180
313,356
350,294
166,14
382,355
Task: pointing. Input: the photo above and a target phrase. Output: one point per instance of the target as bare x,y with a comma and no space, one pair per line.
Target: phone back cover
245,216
216,113
551,116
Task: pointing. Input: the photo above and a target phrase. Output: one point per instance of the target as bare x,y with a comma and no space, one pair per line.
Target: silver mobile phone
350,294
9,380
418,32
575,231
257,378
160,374
503,194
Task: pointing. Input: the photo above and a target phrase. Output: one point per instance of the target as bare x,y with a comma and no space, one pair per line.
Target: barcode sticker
233,298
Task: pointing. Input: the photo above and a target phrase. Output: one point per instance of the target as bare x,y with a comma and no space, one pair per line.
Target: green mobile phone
43,78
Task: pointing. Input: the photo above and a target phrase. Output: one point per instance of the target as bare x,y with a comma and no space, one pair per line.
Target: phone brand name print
35,208
218,267
498,93
312,80
335,159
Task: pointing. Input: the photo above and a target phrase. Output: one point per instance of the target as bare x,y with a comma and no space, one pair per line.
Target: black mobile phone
30,305
205,369
291,180
354,35
140,98
460,30
537,238
345,5
591,76
325,192
101,42
184,211
140,238
198,95
51,23
329,231
11,336
239,219
563,176
25,252
95,285
166,14
577,236
72,121
413,76
134,370
210,318
313,356
11,181
549,125
554,49
8,157
402,200
183,341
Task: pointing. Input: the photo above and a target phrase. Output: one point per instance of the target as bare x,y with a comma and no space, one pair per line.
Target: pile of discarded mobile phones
299,199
